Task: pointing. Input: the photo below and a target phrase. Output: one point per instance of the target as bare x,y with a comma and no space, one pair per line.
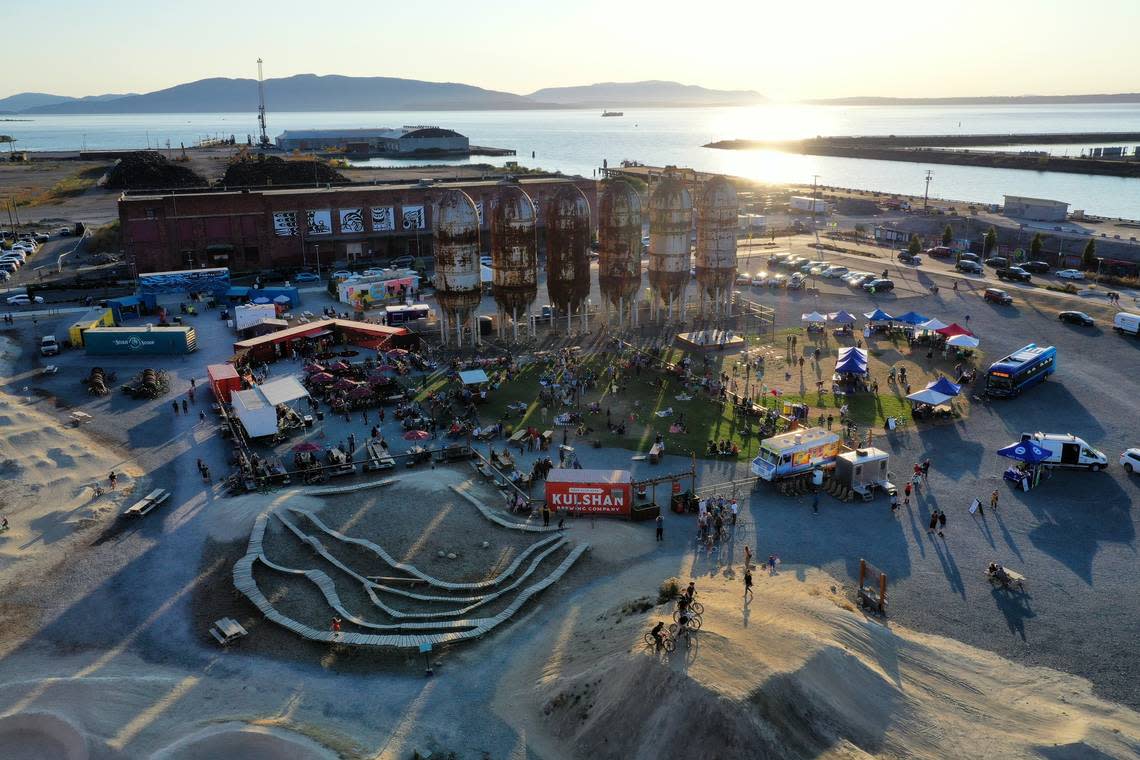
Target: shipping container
147,340
598,492
806,203
224,379
93,318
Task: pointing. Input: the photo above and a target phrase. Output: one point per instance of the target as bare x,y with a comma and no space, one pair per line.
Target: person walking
994,500
747,585
175,405
545,516
941,523
933,526
201,416
925,471
895,503
815,503
660,528
206,473
185,406
906,493
747,557
113,479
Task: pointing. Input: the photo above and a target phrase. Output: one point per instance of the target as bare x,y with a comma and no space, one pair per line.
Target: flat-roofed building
1037,209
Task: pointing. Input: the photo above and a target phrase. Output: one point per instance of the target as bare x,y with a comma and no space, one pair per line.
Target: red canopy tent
954,329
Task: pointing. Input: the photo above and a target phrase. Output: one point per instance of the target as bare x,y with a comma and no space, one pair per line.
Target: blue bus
1022,369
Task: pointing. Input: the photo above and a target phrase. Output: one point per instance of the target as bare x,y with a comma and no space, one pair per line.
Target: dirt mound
250,171
238,740
148,170
41,736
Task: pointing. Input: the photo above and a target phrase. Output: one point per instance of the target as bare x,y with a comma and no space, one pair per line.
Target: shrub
669,590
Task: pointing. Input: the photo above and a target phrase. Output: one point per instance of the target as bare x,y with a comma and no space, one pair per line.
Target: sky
787,51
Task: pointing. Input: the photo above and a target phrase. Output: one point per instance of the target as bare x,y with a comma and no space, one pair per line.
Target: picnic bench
227,630
378,458
655,452
147,503
50,369
519,439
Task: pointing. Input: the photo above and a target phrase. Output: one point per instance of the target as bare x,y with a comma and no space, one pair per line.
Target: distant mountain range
651,94
309,92
1122,97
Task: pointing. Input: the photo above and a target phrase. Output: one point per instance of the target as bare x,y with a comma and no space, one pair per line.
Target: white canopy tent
282,390
928,396
473,377
814,316
257,416
933,324
963,341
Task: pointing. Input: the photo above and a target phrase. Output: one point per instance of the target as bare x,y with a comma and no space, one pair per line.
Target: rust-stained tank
568,248
514,253
619,242
455,238
670,227
716,215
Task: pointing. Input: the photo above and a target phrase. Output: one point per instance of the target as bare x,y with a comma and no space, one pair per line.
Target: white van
1068,451
48,346
1125,323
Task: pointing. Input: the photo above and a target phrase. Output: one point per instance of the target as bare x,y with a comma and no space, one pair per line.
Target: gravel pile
273,170
148,170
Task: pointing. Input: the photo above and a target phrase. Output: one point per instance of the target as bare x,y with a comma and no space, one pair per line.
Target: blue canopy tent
912,318
942,385
878,315
1032,455
842,318
851,361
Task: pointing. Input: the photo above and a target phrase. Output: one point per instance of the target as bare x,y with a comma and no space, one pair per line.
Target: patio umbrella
261,300
322,377
953,329
361,391
314,368
417,435
814,316
878,315
942,385
933,324
1025,451
397,352
344,384
842,318
963,341
912,318
338,366
928,396
384,368
307,446
286,300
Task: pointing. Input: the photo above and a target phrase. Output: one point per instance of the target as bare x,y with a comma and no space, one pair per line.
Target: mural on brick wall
383,219
413,218
479,212
351,220
285,223
318,222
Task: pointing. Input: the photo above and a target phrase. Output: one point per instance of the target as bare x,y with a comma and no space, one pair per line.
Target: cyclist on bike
657,634
683,604
691,591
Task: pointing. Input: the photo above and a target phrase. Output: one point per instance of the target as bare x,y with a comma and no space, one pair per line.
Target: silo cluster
568,250
716,216
514,255
670,228
619,242
456,241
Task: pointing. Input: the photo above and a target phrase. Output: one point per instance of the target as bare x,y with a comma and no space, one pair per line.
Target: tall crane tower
263,141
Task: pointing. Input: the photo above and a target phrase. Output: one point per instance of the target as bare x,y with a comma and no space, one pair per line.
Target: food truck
597,492
795,453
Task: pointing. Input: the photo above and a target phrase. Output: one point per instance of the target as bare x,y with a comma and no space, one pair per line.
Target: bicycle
694,619
666,642
675,632
695,607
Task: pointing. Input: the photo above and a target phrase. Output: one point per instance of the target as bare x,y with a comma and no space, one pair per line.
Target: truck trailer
795,453
147,340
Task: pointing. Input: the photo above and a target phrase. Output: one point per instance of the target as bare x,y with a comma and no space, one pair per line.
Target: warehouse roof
361,188
333,134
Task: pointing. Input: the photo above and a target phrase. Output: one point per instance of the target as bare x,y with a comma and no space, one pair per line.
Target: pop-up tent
912,318
841,318
473,377
942,385
814,316
933,324
953,329
852,361
878,315
963,341
929,396
1025,451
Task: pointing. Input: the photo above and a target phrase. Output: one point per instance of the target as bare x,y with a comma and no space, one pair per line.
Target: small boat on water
612,113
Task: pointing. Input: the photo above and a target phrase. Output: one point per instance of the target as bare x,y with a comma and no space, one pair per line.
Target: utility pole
263,140
814,221
926,195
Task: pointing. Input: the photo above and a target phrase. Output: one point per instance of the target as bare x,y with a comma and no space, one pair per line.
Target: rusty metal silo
568,249
716,214
514,254
455,238
670,227
619,241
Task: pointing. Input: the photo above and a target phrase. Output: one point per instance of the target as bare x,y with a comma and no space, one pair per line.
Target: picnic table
519,438
655,452
227,630
378,458
147,503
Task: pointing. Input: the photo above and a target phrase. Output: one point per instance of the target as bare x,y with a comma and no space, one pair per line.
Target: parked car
1076,318
1071,274
48,346
777,281
1130,460
907,257
305,277
406,262
9,266
970,267
64,232
4,276
879,285
743,278
997,262
793,262
861,279
42,237
341,274
759,279
1037,267
797,281
777,258
967,256
996,295
939,252
832,273
23,299
1014,273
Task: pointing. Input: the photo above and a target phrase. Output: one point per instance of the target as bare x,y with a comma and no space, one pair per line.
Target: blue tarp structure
878,315
852,361
842,318
942,385
912,318
125,303
272,293
1025,451
238,293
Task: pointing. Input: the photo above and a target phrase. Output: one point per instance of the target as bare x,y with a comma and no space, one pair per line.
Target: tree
947,235
1036,246
990,242
1088,258
860,230
915,246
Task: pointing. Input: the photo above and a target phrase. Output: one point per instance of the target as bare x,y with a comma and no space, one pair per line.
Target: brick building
255,229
